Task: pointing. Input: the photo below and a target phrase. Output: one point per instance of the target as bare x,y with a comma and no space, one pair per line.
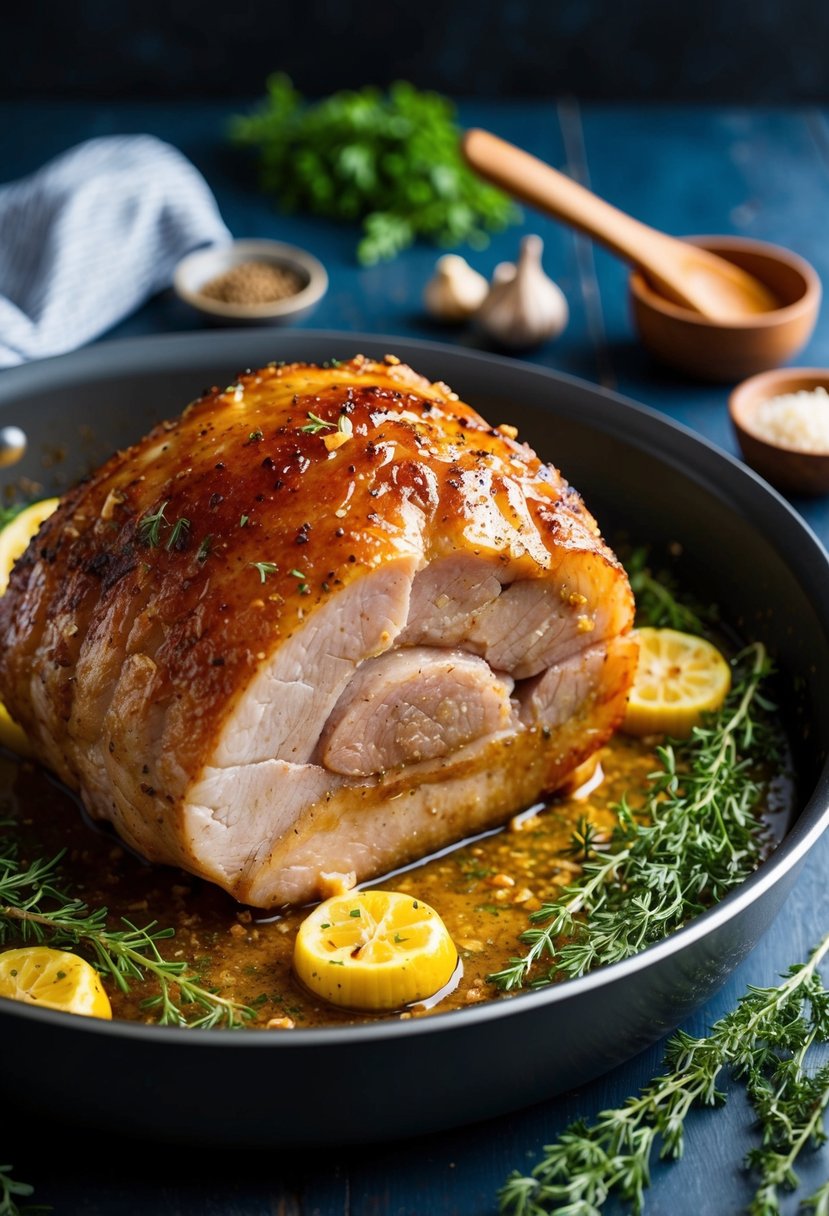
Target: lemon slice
15,537
53,979
13,736
679,678
374,950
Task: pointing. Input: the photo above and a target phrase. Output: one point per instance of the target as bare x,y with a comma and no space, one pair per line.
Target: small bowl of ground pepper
251,282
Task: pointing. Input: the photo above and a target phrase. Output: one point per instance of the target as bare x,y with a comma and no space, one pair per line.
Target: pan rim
696,452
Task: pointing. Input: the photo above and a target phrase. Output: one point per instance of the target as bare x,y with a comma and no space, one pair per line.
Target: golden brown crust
254,478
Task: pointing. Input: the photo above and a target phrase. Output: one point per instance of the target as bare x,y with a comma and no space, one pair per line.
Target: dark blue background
737,50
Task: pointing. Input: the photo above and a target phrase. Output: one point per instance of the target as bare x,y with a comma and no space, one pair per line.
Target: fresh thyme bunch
764,1042
697,836
33,906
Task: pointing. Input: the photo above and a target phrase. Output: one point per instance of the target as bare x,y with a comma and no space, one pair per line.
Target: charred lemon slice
14,539
53,979
374,950
679,678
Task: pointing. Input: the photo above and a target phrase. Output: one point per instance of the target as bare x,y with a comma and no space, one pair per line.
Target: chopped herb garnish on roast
265,568
316,424
149,528
178,535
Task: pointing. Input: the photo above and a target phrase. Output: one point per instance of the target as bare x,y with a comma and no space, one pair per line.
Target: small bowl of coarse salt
781,420
251,282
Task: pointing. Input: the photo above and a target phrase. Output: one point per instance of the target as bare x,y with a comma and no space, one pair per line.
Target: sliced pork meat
326,622
413,704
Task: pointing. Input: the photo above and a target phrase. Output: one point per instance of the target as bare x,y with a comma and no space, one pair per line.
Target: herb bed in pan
600,874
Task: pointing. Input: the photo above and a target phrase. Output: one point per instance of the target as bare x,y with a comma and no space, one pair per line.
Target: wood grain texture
758,173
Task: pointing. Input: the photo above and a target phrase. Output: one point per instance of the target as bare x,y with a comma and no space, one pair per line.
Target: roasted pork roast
326,622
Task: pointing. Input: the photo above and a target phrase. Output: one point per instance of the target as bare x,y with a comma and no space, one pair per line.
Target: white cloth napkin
89,237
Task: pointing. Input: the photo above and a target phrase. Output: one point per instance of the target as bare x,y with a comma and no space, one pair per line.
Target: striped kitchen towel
88,238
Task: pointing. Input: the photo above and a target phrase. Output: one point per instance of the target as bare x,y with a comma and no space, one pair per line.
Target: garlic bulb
455,291
524,307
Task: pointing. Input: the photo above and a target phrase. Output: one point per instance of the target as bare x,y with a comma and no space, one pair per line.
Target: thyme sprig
150,525
696,837
763,1042
34,907
315,424
657,602
264,568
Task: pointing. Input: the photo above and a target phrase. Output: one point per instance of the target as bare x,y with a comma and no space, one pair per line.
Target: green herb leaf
764,1042
316,424
264,568
149,527
7,514
658,604
697,837
178,534
389,160
33,906
11,1190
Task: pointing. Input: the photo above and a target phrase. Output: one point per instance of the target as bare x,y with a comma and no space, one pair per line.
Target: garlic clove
524,307
455,291
503,273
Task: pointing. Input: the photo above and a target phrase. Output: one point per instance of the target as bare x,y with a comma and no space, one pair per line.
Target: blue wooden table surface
763,174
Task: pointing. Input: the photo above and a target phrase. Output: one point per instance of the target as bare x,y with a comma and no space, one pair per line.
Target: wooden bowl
790,469
198,268
714,350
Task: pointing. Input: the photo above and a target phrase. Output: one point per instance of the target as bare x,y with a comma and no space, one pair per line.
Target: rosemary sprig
763,1041
33,906
696,838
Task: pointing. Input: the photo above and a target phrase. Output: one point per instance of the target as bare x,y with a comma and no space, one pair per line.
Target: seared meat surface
327,621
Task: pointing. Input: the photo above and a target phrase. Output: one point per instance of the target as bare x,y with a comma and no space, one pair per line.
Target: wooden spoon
683,273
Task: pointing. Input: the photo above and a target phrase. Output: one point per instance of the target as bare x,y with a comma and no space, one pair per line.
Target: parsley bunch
390,160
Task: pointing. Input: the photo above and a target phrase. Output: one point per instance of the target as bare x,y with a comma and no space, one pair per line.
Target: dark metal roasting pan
640,474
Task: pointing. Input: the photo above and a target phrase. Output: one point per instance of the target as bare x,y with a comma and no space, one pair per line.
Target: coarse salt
799,421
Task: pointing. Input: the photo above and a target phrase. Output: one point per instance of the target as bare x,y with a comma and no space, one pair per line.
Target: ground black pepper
253,283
